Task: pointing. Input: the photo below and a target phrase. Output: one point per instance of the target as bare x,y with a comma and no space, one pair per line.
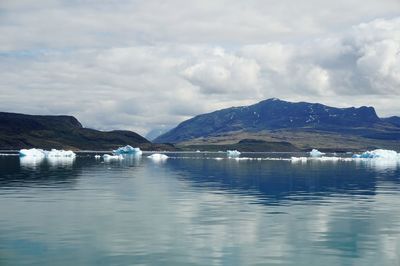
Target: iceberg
378,154
128,150
39,153
158,157
108,157
59,153
97,156
318,159
316,153
299,159
233,153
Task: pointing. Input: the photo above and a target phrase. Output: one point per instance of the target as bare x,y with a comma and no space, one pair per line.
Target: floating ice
97,156
319,159
233,153
316,153
128,150
59,153
34,157
108,157
299,159
39,153
379,159
158,157
379,154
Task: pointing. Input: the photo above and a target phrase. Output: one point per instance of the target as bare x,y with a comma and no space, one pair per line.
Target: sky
145,65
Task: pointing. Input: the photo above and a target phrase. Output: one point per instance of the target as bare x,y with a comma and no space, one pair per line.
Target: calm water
193,210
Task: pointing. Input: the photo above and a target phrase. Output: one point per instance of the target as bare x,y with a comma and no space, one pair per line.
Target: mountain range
270,125
19,131
303,124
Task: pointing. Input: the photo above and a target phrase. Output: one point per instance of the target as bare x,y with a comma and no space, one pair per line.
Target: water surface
195,210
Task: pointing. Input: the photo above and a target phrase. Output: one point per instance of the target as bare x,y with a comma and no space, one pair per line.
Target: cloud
143,65
222,73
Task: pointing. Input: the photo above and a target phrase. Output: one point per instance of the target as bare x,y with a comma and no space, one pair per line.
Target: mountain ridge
275,114
19,131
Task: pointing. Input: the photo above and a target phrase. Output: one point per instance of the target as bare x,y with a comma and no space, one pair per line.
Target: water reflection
274,181
30,162
126,160
61,161
380,165
25,172
35,162
198,212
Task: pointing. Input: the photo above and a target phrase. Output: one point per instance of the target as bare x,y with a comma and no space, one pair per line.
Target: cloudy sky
148,64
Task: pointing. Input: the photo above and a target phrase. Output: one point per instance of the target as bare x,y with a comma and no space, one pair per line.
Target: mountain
394,120
277,120
62,132
154,133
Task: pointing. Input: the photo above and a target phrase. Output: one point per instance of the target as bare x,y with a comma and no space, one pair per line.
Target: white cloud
222,73
146,64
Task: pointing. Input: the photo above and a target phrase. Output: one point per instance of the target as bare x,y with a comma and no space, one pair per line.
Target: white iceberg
39,153
299,159
379,154
233,153
108,157
59,154
97,156
316,153
158,157
128,150
318,159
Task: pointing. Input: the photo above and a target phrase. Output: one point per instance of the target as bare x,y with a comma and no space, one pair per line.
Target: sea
199,208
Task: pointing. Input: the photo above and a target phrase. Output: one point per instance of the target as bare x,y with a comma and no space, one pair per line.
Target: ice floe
316,153
319,159
158,157
108,157
380,158
299,159
59,153
39,153
34,157
128,150
233,153
379,154
97,156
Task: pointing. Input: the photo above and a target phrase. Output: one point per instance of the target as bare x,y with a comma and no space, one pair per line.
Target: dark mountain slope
394,120
275,114
61,132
